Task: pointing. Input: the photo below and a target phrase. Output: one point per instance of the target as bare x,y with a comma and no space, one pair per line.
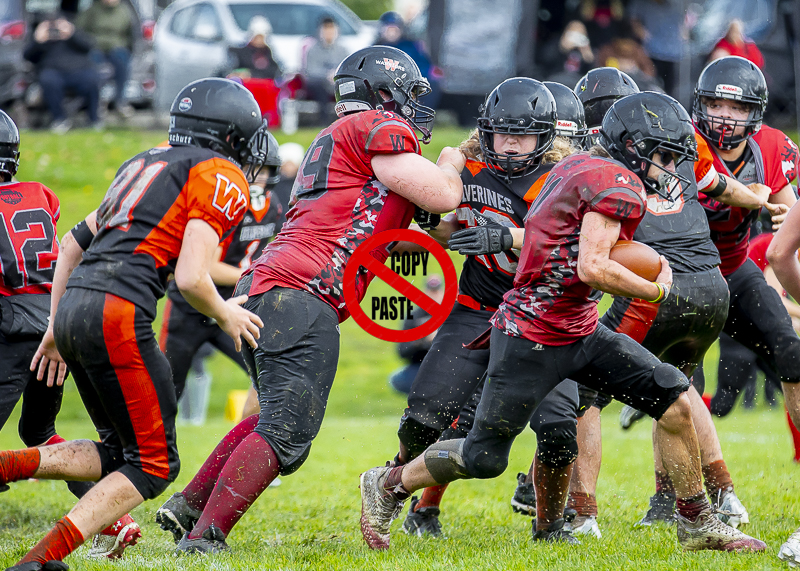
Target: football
639,258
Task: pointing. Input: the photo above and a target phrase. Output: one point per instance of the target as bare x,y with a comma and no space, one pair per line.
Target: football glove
486,238
426,220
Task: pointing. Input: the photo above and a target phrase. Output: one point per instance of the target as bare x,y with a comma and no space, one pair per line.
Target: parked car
193,36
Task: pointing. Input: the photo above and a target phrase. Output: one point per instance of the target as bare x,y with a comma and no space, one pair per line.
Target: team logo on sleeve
228,198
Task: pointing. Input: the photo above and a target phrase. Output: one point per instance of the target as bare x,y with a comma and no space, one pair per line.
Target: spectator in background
291,157
61,56
112,25
601,18
414,351
392,32
658,24
572,57
626,54
254,60
735,44
321,61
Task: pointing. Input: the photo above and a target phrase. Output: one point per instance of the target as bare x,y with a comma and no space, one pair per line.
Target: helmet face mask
518,106
384,78
642,151
735,79
597,91
9,147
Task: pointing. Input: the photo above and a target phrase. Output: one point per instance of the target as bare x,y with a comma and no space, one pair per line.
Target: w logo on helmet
228,198
390,64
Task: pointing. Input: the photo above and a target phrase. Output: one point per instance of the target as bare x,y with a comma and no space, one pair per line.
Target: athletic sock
795,437
432,496
664,483
691,507
394,483
584,504
250,468
552,487
62,540
202,485
717,478
16,465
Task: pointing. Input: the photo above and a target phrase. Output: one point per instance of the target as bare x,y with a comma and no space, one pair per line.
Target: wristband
663,292
719,188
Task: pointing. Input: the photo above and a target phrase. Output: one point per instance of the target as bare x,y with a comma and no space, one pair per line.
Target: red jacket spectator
735,44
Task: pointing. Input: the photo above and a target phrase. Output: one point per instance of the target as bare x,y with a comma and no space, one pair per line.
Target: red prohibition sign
363,257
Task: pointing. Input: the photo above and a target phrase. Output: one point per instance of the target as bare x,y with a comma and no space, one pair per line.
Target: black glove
480,240
426,220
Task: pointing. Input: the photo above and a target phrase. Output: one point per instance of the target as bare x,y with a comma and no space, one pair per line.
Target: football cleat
628,416
524,500
379,508
790,551
584,525
730,509
662,509
557,532
51,565
708,532
177,516
212,541
114,539
422,522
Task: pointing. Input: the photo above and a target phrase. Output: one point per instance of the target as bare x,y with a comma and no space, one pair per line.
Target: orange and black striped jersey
487,278
143,216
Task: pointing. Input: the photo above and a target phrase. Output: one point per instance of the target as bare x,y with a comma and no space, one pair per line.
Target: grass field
311,520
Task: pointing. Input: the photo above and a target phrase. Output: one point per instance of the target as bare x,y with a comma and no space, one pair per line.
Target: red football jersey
773,162
549,303
29,212
758,249
338,203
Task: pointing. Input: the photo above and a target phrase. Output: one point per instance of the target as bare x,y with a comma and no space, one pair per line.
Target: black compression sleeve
83,236
719,188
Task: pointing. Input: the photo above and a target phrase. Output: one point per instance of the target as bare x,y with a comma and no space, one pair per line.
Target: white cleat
586,526
730,509
790,551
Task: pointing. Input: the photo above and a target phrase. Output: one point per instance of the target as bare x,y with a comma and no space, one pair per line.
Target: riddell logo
390,64
725,89
567,125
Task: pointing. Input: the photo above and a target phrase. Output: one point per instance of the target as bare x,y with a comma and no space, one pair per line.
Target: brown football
639,258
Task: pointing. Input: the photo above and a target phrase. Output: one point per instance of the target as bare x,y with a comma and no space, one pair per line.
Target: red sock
717,478
16,465
55,439
432,496
247,473
691,507
584,504
795,437
62,540
552,488
199,489
664,483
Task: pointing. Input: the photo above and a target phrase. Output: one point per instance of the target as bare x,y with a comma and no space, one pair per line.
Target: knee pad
111,458
558,444
787,359
415,436
445,461
295,465
668,377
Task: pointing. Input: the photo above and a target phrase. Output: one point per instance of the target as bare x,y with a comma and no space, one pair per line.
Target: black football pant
40,403
292,368
182,335
522,374
125,383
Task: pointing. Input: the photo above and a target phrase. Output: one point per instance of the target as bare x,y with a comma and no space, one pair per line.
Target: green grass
311,520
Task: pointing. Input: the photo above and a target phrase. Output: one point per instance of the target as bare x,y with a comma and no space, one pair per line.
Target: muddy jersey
337,203
28,242
771,158
677,228
549,303
143,216
487,278
260,224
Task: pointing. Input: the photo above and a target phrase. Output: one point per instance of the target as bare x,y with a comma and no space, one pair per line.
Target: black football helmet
733,78
364,75
9,146
598,90
518,106
639,126
221,115
571,121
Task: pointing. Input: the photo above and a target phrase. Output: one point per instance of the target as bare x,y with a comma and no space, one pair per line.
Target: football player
165,212
547,330
360,176
517,141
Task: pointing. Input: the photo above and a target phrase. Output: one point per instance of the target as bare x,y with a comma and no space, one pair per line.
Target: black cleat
36,566
629,416
212,541
556,533
662,509
524,500
424,522
177,516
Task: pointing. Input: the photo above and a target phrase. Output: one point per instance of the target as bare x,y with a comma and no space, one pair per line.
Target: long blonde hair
562,148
